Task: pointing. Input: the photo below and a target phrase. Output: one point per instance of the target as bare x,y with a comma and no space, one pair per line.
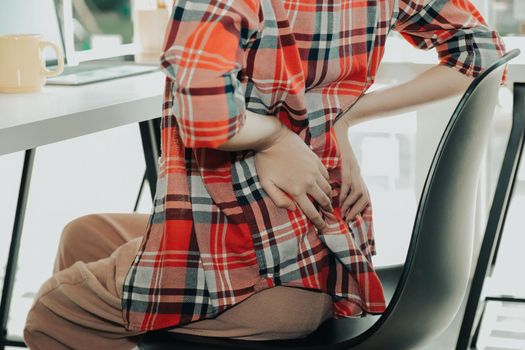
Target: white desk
60,112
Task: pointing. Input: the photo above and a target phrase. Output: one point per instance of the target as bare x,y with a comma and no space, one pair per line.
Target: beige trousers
79,307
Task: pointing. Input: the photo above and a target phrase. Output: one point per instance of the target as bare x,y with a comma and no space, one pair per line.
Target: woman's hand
354,196
287,166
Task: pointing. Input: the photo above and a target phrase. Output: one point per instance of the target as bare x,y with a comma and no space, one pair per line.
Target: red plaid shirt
215,237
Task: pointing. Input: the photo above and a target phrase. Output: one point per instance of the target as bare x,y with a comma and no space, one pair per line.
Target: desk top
62,112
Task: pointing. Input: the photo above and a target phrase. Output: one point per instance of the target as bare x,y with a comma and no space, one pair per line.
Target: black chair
426,292
488,253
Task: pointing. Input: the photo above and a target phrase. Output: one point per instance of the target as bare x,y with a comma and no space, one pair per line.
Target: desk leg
150,135
139,195
12,260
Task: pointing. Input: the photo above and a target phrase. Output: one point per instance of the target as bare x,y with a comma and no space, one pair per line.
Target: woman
262,224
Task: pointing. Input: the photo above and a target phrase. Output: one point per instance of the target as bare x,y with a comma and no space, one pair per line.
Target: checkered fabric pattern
215,237
455,28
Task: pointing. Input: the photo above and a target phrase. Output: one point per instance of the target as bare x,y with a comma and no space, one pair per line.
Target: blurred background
102,172
99,19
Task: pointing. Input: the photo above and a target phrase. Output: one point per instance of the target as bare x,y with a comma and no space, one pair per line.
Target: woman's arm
436,83
465,46
287,168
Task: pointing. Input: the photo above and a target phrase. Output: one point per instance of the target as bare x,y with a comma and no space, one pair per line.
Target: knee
78,231
75,240
30,333
43,328
35,332
31,329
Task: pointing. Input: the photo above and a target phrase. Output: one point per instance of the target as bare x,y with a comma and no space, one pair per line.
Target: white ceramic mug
22,67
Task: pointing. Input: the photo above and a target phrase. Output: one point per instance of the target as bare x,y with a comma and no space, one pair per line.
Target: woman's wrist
259,132
351,158
348,119
341,131
274,132
360,110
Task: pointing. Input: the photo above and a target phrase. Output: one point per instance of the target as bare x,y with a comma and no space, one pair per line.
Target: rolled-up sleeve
455,28
202,56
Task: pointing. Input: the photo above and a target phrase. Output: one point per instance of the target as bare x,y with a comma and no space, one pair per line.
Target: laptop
110,57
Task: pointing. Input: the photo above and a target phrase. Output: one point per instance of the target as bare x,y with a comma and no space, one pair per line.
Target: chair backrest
437,268
503,192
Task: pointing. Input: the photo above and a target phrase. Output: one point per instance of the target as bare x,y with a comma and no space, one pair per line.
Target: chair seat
331,332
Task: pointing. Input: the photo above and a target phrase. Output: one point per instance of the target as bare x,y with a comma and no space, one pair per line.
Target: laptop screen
102,24
31,17
96,29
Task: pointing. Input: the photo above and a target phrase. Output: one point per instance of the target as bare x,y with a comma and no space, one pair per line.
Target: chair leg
475,336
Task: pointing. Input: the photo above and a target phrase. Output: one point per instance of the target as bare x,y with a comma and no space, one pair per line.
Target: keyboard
100,74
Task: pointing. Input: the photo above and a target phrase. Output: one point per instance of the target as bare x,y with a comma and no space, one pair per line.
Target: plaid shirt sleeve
202,55
455,28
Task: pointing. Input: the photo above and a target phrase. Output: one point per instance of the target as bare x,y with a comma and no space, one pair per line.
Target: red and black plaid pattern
215,237
455,28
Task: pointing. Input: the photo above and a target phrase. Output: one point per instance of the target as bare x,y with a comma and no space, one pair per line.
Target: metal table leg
150,135
139,195
12,260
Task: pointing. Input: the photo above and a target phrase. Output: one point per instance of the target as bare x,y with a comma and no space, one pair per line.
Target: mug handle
60,59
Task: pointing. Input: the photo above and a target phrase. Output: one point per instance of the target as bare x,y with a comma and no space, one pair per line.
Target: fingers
311,213
345,187
352,198
324,171
278,197
358,207
324,185
321,197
